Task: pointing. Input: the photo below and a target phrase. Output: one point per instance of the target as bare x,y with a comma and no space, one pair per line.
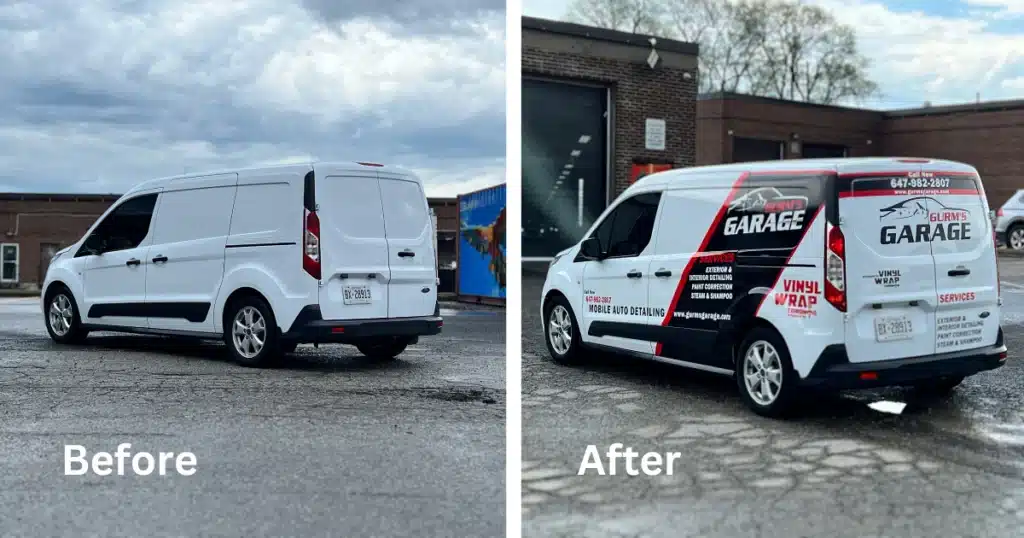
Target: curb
456,305
19,293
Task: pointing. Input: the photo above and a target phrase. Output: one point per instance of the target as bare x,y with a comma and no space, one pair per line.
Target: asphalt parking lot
329,445
879,463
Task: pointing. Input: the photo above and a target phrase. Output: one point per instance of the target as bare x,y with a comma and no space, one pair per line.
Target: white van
265,258
826,273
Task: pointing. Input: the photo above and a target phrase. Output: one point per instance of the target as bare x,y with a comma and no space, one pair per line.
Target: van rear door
353,245
412,289
890,271
966,275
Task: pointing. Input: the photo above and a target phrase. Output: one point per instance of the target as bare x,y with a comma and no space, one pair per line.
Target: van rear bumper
835,371
310,328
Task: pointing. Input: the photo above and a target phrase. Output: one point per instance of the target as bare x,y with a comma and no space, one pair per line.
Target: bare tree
776,48
808,55
634,16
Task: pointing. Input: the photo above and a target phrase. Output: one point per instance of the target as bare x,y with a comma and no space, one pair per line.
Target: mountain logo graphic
913,207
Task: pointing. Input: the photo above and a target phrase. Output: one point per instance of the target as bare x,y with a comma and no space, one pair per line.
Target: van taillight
995,252
311,245
835,268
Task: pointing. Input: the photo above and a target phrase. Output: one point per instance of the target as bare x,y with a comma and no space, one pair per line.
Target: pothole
460,394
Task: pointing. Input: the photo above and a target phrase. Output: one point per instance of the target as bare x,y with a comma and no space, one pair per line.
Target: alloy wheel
249,332
61,314
1017,239
560,329
762,372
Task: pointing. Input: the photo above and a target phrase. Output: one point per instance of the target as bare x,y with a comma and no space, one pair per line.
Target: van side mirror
94,245
590,248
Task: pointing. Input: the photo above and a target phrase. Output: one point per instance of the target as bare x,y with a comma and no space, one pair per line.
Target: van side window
125,227
627,230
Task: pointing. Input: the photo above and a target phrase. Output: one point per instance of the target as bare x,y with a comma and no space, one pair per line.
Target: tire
562,332
775,365
384,349
1015,237
939,387
63,322
244,317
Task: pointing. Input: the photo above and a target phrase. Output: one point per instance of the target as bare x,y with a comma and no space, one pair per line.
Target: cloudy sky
943,51
97,95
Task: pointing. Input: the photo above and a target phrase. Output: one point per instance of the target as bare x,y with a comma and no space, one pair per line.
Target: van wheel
62,320
384,349
1015,237
765,375
562,333
939,387
252,333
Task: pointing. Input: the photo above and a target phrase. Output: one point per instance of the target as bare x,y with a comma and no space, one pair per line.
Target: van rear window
908,183
405,209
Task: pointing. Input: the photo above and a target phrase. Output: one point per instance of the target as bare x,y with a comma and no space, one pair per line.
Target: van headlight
555,260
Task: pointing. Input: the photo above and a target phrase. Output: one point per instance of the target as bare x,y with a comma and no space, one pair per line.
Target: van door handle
132,262
662,273
160,259
634,274
959,272
406,254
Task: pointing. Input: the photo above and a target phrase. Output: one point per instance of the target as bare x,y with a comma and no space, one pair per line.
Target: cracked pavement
880,463
328,445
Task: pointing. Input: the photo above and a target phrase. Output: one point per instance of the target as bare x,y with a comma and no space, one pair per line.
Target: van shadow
851,407
325,359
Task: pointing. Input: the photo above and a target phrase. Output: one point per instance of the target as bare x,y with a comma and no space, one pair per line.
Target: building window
746,150
9,263
824,151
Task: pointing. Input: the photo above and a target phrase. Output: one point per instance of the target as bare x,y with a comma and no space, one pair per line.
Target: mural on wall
482,243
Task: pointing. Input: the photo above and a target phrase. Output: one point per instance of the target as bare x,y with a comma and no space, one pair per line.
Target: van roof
843,165
296,168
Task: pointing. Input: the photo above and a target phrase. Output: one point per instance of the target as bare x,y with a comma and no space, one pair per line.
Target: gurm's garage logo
765,210
923,219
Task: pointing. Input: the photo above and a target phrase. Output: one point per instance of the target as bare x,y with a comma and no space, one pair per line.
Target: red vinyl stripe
907,192
789,258
892,173
700,250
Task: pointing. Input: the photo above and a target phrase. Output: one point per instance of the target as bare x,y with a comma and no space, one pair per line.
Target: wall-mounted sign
640,169
654,134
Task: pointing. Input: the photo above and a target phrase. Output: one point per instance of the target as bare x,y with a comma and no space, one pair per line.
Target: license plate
893,328
356,294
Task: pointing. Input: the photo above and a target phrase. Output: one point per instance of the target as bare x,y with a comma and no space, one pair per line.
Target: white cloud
919,57
1011,7
95,95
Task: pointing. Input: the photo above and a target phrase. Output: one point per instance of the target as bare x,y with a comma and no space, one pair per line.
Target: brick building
589,96
735,128
595,110
35,226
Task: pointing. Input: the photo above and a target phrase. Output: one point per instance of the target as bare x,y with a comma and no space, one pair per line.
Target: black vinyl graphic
907,183
923,219
749,244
